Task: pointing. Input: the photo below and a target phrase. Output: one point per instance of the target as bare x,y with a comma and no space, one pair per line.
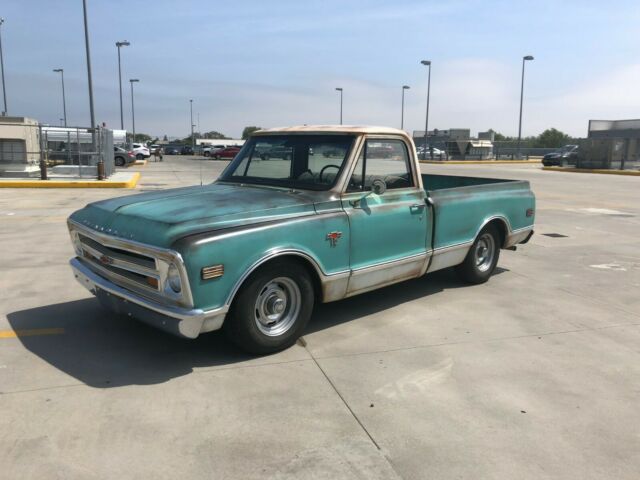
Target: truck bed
462,205
442,182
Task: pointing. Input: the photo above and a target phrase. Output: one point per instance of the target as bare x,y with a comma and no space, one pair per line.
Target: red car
229,152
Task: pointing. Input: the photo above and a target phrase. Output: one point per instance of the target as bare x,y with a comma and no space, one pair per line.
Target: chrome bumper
188,323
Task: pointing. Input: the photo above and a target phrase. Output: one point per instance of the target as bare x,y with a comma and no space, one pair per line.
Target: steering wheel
324,168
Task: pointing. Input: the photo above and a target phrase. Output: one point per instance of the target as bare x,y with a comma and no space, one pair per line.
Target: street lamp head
339,89
528,57
58,70
406,87
123,43
132,80
425,62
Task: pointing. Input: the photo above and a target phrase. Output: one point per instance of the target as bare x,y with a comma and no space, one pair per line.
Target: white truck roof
335,129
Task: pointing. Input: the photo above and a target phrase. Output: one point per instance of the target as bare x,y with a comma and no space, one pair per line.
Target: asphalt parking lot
533,375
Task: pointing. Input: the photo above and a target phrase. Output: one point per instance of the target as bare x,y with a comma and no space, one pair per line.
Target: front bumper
188,323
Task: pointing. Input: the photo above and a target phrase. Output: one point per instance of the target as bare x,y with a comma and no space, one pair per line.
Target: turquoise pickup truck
301,215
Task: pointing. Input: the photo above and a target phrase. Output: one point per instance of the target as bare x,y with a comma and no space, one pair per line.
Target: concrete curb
630,173
131,183
479,162
141,163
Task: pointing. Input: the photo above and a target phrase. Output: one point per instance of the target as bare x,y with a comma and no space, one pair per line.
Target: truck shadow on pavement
105,350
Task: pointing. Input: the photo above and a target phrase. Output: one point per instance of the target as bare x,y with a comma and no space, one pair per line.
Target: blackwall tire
483,256
272,308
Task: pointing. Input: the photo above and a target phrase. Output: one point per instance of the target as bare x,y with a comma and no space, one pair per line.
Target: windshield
311,162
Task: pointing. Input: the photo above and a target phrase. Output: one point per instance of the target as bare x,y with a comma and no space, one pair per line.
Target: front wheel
139,156
272,308
482,258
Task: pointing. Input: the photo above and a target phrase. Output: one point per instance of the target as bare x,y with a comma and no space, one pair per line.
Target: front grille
125,268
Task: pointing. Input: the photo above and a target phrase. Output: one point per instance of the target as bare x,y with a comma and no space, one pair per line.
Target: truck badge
106,260
333,238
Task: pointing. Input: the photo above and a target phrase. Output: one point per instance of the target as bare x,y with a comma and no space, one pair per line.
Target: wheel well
292,258
501,226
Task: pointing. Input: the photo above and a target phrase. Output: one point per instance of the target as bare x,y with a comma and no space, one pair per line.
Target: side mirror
378,186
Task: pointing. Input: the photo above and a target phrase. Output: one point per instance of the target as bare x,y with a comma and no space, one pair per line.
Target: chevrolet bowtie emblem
333,238
106,260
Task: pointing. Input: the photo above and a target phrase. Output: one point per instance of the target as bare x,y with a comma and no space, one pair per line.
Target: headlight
173,278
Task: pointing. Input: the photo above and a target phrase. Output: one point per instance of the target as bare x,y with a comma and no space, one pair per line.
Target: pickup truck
253,252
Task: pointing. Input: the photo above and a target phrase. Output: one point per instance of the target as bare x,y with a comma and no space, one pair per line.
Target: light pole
133,112
4,91
339,89
64,101
404,87
524,59
193,140
100,164
124,43
426,122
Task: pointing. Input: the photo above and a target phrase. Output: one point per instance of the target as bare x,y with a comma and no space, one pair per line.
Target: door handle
417,206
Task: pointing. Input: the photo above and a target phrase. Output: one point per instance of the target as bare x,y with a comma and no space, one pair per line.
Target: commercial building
611,144
226,142
19,146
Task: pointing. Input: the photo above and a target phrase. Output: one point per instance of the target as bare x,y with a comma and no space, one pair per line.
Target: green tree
498,137
165,138
248,131
213,135
140,138
551,138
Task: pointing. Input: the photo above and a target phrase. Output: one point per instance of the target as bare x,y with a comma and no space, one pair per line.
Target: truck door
389,229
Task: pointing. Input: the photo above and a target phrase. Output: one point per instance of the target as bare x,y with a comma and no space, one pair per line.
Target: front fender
243,249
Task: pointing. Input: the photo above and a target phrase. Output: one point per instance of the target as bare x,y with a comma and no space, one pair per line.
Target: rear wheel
119,161
216,156
139,156
482,258
272,308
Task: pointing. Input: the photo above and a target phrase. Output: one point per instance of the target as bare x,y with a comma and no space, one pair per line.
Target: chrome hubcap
484,252
277,306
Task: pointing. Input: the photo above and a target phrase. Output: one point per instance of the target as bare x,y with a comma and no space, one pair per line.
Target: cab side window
387,160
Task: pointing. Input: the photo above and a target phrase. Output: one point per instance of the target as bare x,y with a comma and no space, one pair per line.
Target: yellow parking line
131,183
30,332
480,162
633,173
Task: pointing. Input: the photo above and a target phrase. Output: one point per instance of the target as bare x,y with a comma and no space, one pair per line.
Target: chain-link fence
479,150
30,149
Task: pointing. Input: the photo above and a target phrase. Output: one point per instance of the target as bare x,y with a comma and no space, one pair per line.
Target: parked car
225,153
209,149
436,152
122,157
140,151
256,249
567,155
186,150
172,149
282,152
153,148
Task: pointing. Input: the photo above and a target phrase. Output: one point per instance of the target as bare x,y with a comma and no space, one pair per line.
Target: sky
277,62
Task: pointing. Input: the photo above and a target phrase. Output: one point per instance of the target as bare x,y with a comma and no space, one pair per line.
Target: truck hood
160,218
